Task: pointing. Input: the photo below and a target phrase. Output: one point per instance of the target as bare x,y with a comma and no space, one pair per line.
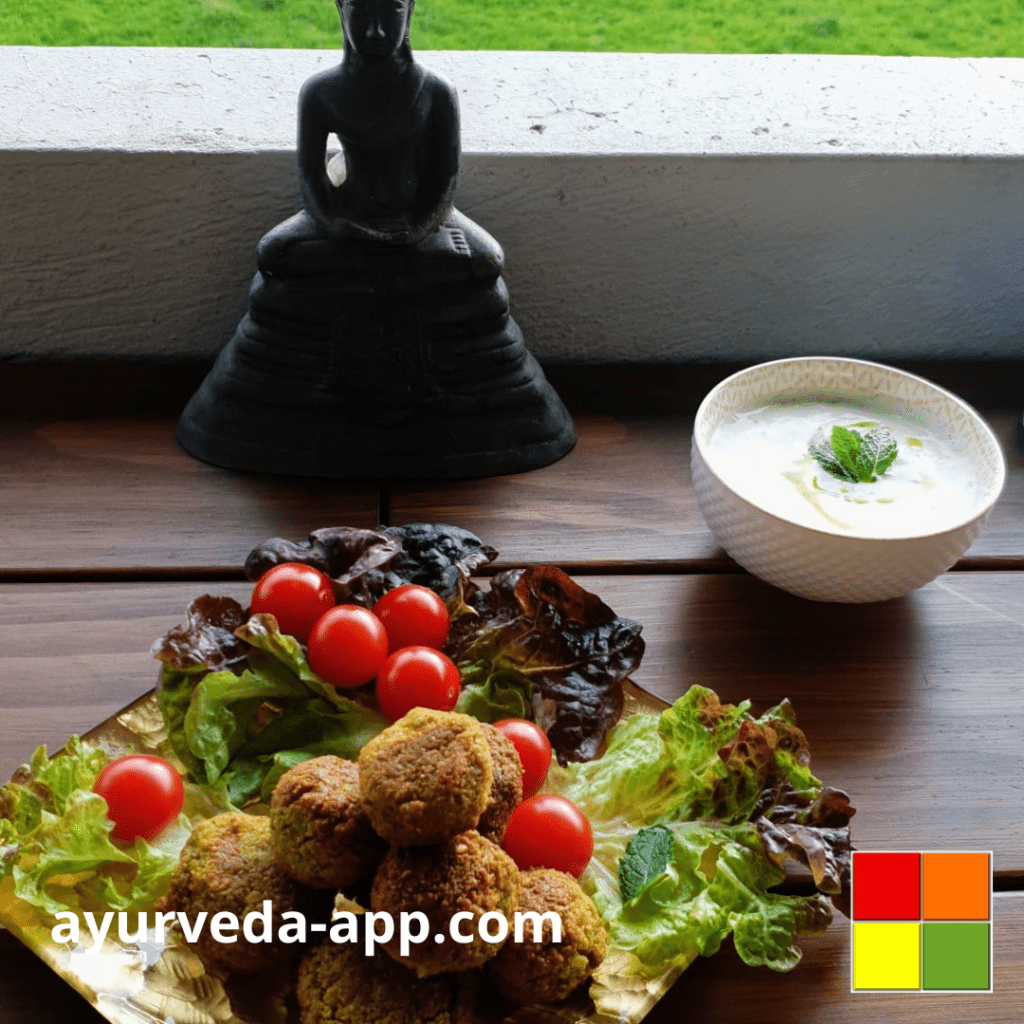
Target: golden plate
167,984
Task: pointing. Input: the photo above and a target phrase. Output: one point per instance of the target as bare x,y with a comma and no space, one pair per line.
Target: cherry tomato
417,677
347,645
548,831
534,750
296,595
144,794
413,616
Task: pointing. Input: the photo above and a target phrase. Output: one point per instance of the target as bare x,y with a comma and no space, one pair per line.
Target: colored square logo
886,955
956,886
922,922
887,886
956,955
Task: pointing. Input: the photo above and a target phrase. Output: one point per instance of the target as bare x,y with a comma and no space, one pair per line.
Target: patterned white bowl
819,564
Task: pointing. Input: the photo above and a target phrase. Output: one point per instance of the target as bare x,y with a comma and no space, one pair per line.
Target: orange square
956,886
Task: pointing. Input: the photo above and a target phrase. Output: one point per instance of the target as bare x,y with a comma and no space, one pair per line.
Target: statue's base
282,426
377,362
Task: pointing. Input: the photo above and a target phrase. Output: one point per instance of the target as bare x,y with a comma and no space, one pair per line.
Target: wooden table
915,706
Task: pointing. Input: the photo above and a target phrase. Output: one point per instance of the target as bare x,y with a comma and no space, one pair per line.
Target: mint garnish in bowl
851,455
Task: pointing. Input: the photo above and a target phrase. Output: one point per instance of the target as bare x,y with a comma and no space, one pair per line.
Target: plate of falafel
332,865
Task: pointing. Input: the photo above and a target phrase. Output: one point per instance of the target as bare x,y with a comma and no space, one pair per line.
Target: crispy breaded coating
319,828
506,788
227,864
466,874
546,971
426,778
340,984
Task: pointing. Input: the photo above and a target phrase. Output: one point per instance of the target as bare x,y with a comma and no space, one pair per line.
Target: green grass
951,28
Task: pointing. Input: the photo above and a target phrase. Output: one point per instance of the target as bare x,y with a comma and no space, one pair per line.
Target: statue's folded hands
401,165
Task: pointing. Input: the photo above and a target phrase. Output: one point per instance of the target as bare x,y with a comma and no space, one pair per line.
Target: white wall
652,207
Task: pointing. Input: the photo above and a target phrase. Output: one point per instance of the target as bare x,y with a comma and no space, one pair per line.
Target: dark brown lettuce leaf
207,638
366,564
814,832
533,625
570,645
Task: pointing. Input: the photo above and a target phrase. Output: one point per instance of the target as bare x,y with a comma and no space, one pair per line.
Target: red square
886,886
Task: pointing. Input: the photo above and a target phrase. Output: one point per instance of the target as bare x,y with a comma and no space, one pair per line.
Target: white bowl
822,564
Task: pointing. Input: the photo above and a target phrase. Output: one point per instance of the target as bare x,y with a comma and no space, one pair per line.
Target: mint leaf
849,455
846,445
646,857
821,449
877,454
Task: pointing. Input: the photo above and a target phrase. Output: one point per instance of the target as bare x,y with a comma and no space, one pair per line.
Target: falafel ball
340,984
547,971
507,787
426,778
227,864
318,827
467,874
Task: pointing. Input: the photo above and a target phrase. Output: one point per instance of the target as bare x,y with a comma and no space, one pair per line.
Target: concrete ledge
652,207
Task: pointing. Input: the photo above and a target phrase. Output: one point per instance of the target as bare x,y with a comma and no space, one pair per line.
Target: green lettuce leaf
281,656
737,795
698,759
493,694
147,884
61,778
248,724
76,842
309,728
716,885
222,708
173,698
55,838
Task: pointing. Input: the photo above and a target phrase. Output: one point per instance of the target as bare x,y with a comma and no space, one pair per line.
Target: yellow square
886,955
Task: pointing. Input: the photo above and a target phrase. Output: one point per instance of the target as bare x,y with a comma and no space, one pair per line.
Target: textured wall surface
652,207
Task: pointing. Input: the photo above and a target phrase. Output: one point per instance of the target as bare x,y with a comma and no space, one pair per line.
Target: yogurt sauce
762,454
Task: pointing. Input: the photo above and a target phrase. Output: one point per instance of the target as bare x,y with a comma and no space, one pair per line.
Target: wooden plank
717,990
72,654
623,496
87,494
912,706
90,496
722,990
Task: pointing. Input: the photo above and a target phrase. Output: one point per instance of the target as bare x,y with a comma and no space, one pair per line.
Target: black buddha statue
378,341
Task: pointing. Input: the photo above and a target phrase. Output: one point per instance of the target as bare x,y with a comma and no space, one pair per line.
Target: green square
956,955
